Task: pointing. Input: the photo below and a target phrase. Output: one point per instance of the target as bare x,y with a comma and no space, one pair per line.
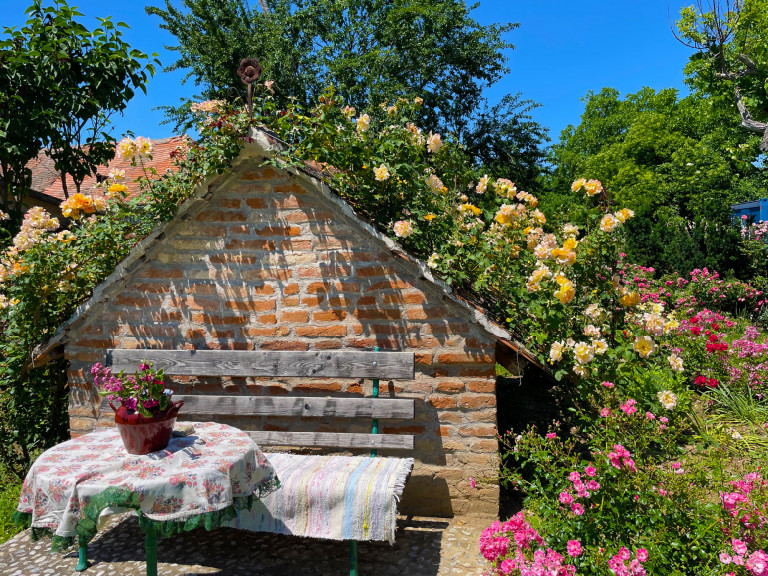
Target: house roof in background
46,181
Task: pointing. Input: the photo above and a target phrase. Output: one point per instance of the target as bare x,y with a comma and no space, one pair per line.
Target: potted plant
145,414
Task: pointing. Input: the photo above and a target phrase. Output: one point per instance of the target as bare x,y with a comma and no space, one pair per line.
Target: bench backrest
322,364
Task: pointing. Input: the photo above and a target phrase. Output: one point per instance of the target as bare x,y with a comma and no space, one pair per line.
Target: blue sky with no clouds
563,49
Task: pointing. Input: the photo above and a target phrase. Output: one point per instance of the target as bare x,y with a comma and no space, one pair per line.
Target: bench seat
331,497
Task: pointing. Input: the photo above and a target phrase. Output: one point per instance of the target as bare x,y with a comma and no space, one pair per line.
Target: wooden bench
356,485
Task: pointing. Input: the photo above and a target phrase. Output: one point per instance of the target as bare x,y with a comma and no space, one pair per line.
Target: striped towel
332,497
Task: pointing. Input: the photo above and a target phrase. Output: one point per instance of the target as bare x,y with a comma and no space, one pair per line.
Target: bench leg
82,554
150,551
352,558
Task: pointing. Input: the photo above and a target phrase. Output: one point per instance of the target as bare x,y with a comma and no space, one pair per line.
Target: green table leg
150,551
352,558
82,558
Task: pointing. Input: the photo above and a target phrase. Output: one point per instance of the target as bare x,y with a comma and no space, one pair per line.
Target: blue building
756,211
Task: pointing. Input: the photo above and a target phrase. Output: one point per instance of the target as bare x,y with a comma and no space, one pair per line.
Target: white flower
584,353
363,123
675,362
735,434
432,261
580,371
667,399
592,331
117,174
556,351
593,311
482,186
434,143
609,223
600,346
382,173
403,229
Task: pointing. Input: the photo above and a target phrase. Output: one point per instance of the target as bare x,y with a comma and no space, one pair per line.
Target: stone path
424,547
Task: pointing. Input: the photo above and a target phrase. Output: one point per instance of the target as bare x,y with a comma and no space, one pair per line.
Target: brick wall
271,264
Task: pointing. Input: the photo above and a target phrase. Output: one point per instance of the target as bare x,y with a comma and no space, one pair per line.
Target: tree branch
264,7
750,124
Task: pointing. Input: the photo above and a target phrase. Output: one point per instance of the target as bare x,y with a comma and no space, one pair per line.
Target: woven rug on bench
332,497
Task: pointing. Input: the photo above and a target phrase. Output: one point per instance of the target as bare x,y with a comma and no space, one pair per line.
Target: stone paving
423,547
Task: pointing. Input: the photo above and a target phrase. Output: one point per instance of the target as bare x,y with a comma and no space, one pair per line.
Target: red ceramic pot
142,435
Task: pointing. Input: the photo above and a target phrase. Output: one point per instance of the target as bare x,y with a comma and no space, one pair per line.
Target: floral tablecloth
216,469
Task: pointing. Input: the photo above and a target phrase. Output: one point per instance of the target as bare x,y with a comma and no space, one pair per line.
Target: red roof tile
47,181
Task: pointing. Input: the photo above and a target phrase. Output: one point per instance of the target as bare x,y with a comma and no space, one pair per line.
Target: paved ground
424,547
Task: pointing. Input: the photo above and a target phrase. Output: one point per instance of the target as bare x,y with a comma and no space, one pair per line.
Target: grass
9,499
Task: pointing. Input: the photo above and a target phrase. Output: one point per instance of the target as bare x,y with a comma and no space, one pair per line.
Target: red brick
256,203
379,314
318,387
312,300
209,230
202,289
99,342
423,358
265,274
235,244
325,331
479,431
162,273
329,316
284,345
339,301
389,285
375,271
261,289
290,301
272,230
211,332
416,341
294,316
477,401
198,318
449,387
228,203
296,245
326,344
152,287
263,173
489,370
483,386
288,189
401,298
402,430
213,215
441,402
464,358
355,388
366,301
267,319
448,328
444,431
198,303
450,417
272,331
250,305
425,313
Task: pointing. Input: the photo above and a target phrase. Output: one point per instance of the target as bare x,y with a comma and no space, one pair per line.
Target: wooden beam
325,364
333,440
301,406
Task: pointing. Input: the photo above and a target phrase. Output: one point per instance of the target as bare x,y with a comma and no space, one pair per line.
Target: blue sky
563,49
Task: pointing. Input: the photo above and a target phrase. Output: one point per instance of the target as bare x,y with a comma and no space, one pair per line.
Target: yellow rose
645,346
593,187
578,184
382,173
609,223
566,292
630,299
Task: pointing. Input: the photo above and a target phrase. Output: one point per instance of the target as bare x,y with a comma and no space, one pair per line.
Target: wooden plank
333,440
303,406
324,364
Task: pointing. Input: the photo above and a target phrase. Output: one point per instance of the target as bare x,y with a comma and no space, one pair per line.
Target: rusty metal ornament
249,71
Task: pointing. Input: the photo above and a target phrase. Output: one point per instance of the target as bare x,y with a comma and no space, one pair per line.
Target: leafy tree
678,163
60,84
731,42
372,52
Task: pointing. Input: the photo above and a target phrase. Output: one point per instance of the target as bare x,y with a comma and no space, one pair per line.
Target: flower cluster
128,149
142,392
516,545
622,564
207,107
80,204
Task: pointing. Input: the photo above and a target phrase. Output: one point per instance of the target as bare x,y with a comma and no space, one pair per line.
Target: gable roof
46,180
264,144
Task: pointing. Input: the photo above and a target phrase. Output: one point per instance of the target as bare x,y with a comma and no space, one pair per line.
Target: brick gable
270,263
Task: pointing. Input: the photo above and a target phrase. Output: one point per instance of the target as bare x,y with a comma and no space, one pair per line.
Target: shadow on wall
522,402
